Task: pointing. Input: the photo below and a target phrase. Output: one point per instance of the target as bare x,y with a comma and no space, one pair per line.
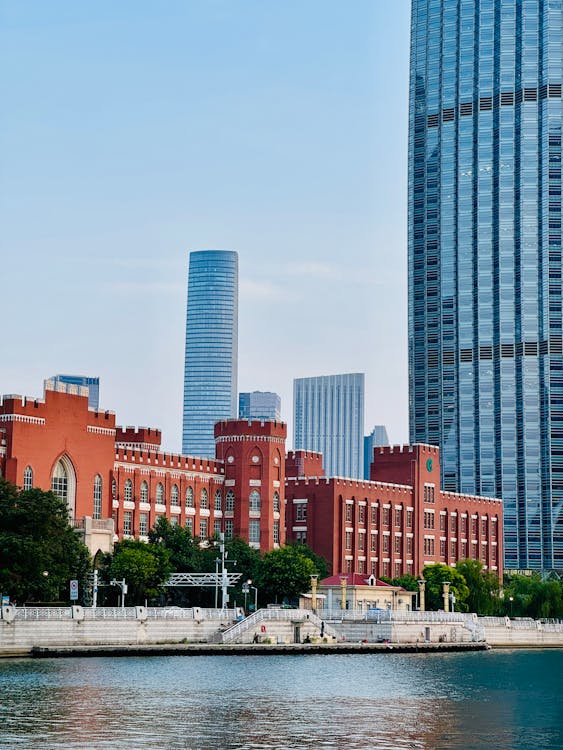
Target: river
506,700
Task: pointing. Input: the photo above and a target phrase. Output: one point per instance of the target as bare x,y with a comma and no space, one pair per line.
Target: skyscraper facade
259,405
377,437
210,373
329,417
485,284
93,385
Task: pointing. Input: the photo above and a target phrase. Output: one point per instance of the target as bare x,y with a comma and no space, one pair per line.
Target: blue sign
74,590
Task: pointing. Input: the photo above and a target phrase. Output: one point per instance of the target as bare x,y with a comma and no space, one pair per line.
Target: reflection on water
509,700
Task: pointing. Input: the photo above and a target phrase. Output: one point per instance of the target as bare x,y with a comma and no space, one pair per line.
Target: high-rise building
485,271
329,417
93,385
259,405
210,374
377,437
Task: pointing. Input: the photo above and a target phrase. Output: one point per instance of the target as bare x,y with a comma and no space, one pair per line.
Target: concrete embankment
249,649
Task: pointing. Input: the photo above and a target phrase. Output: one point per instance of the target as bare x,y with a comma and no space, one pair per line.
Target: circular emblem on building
255,459
276,461
230,459
428,464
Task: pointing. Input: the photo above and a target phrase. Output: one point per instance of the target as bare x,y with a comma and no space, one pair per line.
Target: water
509,700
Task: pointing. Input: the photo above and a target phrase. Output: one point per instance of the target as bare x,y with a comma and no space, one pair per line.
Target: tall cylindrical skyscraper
485,285
210,373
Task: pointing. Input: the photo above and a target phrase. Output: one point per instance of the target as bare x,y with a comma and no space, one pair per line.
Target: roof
353,579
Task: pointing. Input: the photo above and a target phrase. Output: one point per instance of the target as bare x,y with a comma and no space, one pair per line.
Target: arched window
174,495
255,501
97,497
28,478
276,502
204,499
230,501
63,483
159,494
144,496
218,500
128,490
189,498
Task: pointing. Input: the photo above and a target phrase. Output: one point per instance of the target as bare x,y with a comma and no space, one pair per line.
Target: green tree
321,565
435,575
284,573
529,596
483,587
40,552
145,568
407,581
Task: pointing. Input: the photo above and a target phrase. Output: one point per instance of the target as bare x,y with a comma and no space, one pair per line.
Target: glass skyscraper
93,385
485,287
259,405
210,374
329,417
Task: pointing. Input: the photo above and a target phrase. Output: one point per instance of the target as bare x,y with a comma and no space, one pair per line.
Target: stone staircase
277,626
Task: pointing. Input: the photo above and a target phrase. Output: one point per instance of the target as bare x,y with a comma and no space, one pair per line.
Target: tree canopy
284,573
40,552
435,576
145,568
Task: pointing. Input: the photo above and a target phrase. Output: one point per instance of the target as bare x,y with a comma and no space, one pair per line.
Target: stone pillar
446,595
343,582
314,581
421,592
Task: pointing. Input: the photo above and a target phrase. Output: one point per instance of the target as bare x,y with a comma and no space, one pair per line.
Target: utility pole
95,589
224,576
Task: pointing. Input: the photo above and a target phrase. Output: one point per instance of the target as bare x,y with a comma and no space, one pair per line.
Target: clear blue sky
135,131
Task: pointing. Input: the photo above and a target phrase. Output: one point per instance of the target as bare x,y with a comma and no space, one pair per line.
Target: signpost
74,590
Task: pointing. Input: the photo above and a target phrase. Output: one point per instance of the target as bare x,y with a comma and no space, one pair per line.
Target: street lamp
255,596
314,581
511,600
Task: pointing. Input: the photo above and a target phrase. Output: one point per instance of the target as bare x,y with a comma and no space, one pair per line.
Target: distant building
329,418
210,373
259,405
378,436
93,385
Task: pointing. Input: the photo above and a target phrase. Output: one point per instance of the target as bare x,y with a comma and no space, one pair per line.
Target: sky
134,132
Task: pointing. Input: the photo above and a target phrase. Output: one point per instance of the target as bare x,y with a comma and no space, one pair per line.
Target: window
453,520
143,524
229,529
452,549
398,517
189,498
230,502
373,543
442,522
483,527
409,545
190,524
464,524
397,569
386,543
442,547
348,570
361,542
301,512
429,546
127,523
217,527
474,526
144,492
218,500
276,532
113,489
28,478
203,528
254,532
159,494
373,515
362,514
348,512
397,545
361,566
428,519
174,495
174,521
348,540
301,537
204,499
59,482
386,516
97,497
255,501
409,519
429,491
276,502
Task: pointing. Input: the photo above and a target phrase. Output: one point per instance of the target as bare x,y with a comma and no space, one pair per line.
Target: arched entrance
63,483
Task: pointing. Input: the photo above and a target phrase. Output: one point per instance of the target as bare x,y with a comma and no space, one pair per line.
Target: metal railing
273,614
43,613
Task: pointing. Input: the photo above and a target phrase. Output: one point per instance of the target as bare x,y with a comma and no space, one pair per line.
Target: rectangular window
361,566
301,512
397,545
429,546
453,520
409,519
190,524
216,527
127,523
464,524
373,515
203,528
442,522
453,549
474,527
397,569
362,514
254,531
361,542
229,528
143,524
442,547
428,519
398,517
301,537
348,540
373,543
409,545
386,543
276,532
484,528
348,512
386,516
174,521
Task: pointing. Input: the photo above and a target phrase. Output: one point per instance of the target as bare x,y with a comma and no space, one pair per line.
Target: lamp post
511,600
343,582
314,580
255,596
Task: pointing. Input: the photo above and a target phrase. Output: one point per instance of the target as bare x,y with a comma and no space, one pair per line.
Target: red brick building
394,524
118,481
